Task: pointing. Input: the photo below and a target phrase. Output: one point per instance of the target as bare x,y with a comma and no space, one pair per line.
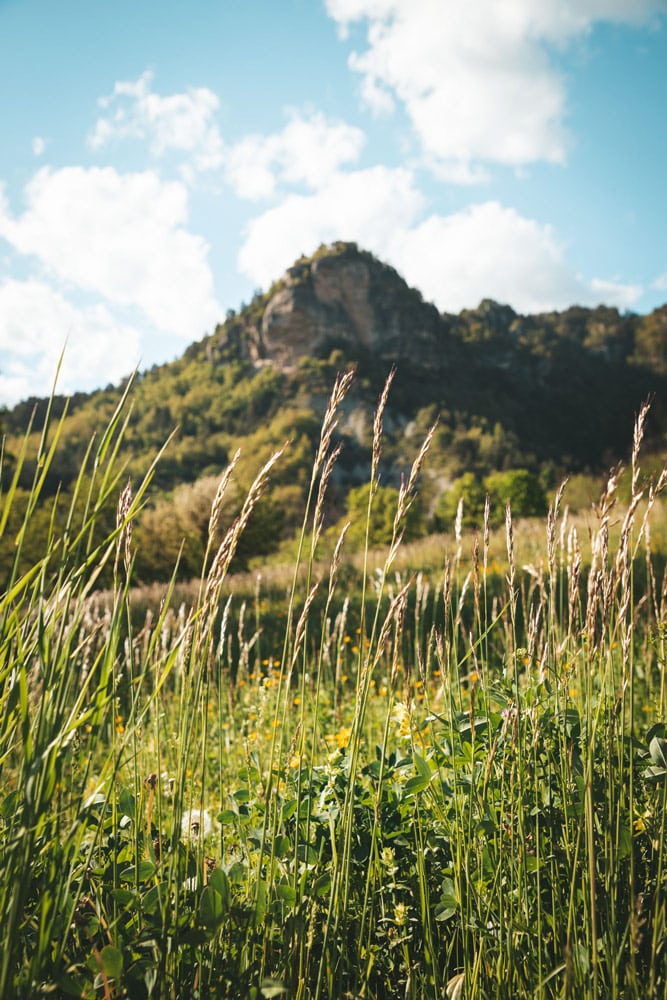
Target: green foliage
381,520
448,784
467,490
518,487
175,531
553,393
650,348
75,514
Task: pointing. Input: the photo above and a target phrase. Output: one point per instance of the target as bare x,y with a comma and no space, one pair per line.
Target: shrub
518,487
469,489
382,514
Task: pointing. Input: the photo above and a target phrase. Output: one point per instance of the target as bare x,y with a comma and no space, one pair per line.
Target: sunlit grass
433,770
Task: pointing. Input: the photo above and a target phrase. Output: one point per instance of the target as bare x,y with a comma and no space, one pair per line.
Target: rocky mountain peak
344,298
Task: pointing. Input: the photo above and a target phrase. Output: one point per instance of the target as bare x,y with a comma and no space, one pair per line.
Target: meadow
435,770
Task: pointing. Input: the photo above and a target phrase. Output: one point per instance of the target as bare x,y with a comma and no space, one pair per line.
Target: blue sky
161,161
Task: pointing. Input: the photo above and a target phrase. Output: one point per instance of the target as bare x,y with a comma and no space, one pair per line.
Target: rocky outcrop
345,299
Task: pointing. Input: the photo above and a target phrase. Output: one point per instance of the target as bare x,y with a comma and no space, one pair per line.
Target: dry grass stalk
511,581
461,602
318,518
574,560
543,669
228,545
184,642
377,430
509,538
552,517
302,623
608,498
395,614
396,542
125,537
606,576
487,531
534,630
654,490
652,588
458,525
594,592
600,585
407,491
224,625
216,506
564,527
406,496
446,583
637,438
329,422
476,580
623,565
336,558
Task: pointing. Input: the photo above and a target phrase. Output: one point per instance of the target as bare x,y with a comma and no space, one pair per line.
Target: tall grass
447,782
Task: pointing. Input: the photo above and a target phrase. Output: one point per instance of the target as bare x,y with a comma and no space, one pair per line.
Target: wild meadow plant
445,784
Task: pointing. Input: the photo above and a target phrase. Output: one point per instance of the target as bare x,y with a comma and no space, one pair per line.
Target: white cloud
615,293
485,251
660,283
38,145
364,206
475,78
490,251
179,122
36,322
122,236
307,151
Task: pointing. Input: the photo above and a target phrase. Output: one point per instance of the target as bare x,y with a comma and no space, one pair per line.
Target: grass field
433,772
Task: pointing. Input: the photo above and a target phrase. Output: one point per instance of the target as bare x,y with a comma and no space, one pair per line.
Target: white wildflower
196,823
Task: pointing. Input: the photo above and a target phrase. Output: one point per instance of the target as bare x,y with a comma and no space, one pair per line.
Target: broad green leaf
212,908
219,882
9,805
123,896
126,803
237,873
322,885
286,893
421,766
112,960
74,985
138,873
260,903
417,784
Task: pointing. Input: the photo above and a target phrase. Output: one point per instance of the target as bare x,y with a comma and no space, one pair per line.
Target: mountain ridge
344,305
356,301
552,394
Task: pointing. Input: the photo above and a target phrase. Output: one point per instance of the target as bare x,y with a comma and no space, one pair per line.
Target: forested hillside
520,401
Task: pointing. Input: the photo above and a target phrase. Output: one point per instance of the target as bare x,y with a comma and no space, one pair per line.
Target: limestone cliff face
346,300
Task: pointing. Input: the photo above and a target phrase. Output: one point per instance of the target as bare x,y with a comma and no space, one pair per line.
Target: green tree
382,514
469,489
518,487
176,529
651,341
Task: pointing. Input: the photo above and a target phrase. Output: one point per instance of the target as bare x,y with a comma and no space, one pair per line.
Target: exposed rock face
347,300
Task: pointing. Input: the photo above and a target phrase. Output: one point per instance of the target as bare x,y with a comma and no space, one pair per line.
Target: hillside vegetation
519,402
358,780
